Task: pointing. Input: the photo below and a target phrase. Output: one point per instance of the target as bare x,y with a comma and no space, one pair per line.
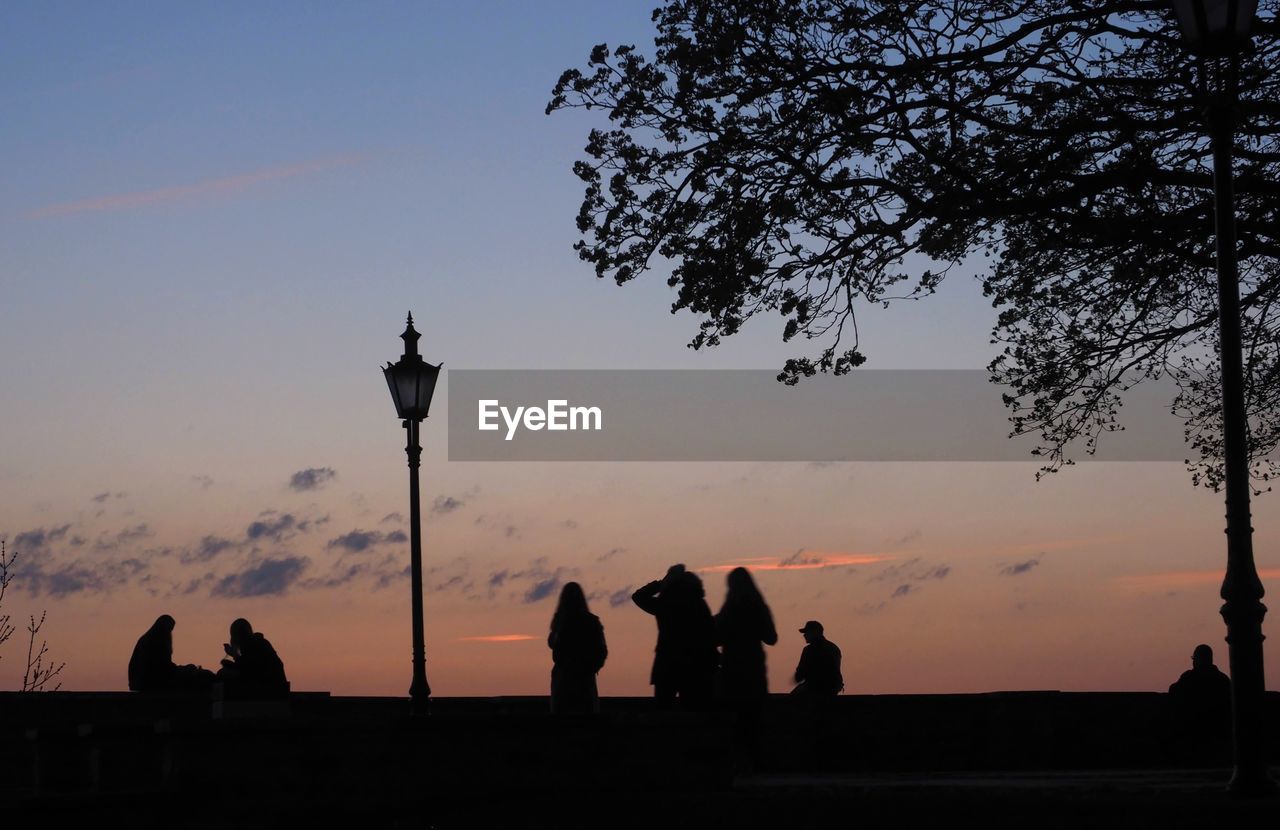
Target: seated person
1203,684
151,667
818,674
1202,704
252,668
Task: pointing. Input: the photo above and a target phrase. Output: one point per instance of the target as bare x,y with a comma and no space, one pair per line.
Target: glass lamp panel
1216,26
389,372
1245,11
1190,14
427,376
407,382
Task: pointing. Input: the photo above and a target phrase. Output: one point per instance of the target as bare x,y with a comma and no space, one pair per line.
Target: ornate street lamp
412,382
1217,31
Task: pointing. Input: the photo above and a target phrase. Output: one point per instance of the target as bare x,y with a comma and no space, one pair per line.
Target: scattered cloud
312,478
100,498
276,527
207,548
204,481
203,189
914,570
544,587
529,585
269,577
361,540
193,585
389,572
383,572
910,536
39,538
128,536
81,576
620,597
610,553
908,577
503,525
393,518
801,560
446,504
338,576
1019,568
569,524
459,581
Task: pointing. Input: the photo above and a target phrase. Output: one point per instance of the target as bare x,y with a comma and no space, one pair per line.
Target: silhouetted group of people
251,667
699,657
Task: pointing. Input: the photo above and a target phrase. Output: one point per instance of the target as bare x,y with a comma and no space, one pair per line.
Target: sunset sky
212,223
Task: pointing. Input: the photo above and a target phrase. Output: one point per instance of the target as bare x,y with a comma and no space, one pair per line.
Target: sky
213,219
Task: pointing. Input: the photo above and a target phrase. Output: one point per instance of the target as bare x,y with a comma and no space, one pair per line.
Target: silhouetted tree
40,670
811,158
6,563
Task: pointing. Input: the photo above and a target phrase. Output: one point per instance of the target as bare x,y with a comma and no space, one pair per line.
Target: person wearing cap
818,674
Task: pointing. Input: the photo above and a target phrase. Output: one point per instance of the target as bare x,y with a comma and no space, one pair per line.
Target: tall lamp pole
412,381
1217,31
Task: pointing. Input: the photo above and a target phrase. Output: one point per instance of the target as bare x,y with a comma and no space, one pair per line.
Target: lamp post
412,382
1217,31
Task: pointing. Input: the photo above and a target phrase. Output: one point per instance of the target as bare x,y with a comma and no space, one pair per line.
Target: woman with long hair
744,627
578,652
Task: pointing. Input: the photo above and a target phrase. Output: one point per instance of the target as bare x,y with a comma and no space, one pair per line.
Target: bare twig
39,673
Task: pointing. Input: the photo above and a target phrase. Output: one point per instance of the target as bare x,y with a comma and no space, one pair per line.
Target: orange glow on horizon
498,638
1173,579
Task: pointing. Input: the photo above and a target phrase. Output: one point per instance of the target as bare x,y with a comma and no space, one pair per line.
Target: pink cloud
208,187
498,638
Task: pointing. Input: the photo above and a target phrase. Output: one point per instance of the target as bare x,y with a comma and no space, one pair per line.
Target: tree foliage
809,159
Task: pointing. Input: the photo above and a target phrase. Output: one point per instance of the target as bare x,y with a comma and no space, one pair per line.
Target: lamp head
411,379
1215,27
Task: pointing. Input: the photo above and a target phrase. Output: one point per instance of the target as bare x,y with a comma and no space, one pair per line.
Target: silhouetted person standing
252,668
1202,698
684,660
818,675
151,667
578,652
744,627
